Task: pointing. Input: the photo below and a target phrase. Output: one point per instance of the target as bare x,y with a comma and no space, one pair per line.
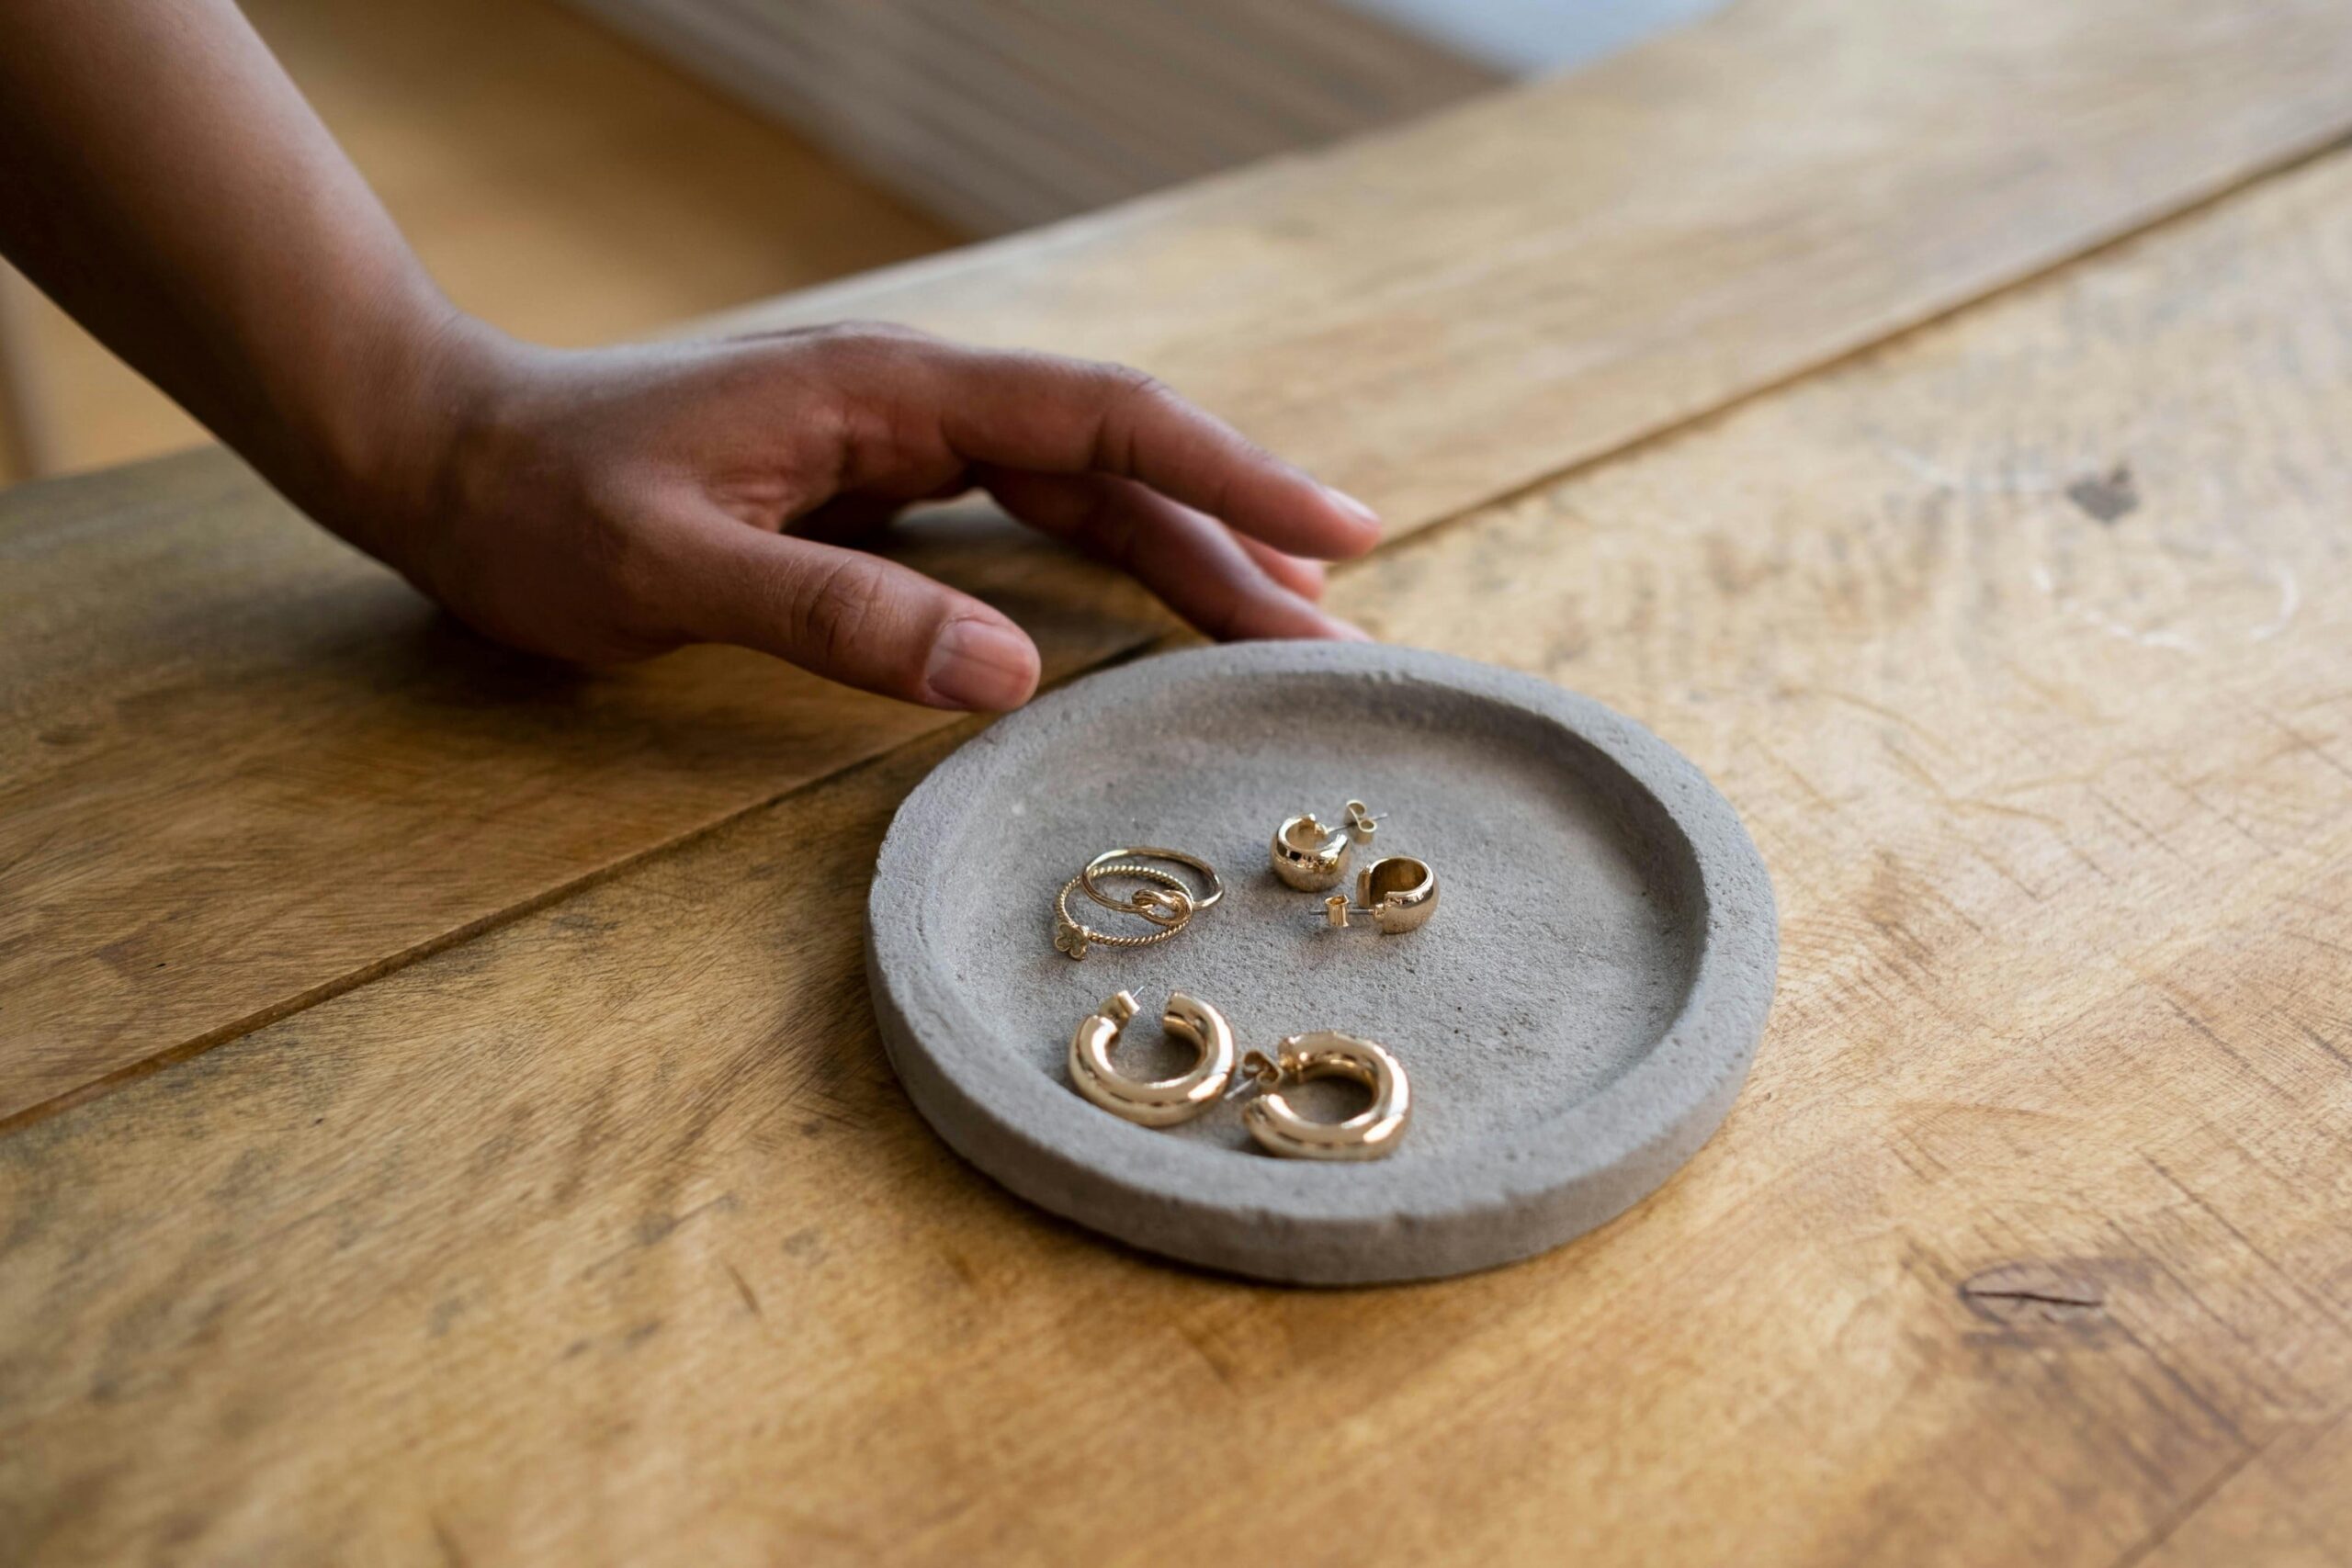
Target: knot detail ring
1075,938
1160,909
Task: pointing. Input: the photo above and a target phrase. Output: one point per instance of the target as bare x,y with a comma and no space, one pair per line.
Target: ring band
1073,938
1102,864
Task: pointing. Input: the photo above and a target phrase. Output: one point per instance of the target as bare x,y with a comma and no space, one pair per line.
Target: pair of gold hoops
1397,892
1270,1118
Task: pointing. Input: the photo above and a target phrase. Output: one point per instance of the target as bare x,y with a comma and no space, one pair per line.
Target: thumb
851,617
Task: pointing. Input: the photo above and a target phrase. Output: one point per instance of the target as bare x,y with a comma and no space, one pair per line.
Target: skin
163,181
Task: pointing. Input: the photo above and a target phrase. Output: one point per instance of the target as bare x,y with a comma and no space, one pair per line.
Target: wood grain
2021,645
239,770
1438,315
266,797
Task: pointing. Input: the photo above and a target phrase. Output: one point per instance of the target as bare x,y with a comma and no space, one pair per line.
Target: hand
602,505
609,505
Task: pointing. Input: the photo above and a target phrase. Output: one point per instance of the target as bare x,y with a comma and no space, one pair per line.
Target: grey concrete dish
1577,1019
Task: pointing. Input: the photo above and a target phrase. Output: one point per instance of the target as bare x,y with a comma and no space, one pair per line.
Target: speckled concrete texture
1577,1017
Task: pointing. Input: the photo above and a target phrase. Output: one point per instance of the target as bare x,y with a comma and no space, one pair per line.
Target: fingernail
1350,504
981,664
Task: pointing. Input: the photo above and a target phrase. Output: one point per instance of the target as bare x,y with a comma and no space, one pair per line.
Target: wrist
386,448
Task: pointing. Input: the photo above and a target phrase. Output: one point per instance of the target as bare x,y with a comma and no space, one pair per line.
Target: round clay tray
1577,1017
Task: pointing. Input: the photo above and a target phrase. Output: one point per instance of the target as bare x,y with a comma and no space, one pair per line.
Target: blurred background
603,169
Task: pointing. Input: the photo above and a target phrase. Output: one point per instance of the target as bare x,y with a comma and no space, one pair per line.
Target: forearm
164,182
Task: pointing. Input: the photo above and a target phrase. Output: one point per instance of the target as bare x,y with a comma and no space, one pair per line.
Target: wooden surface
604,1234
243,770
606,1237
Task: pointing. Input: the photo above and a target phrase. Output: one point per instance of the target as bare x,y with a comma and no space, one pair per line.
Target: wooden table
442,1120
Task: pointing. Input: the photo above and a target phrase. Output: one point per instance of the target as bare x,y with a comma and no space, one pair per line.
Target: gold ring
1073,937
1161,909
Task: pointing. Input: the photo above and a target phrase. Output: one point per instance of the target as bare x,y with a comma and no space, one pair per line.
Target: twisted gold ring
1173,911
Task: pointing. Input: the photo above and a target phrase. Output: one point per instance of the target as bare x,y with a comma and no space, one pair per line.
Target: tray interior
1567,933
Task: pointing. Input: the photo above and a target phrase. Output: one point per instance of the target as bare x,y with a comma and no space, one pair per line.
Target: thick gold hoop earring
1161,1102
1310,857
1370,1133
1398,893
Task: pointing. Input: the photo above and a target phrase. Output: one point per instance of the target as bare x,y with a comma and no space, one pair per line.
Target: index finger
1050,414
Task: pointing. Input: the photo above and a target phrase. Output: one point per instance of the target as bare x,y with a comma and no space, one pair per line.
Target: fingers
1053,415
847,519
847,615
1194,562
1304,577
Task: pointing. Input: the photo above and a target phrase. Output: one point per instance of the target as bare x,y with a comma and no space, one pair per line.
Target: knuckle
830,338
620,557
834,608
895,332
1129,397
1125,384
882,343
879,406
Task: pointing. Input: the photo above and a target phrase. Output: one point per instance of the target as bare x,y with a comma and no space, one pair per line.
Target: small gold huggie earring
1370,1133
1311,857
1397,892
1161,1102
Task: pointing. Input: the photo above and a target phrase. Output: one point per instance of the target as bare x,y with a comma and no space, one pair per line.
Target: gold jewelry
1165,1101
1311,857
1397,892
1368,1134
1171,914
1160,909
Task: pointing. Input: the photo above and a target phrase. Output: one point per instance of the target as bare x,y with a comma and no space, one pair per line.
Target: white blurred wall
1524,37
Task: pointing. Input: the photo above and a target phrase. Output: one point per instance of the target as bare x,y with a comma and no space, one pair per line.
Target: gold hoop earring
1161,1102
1397,892
1311,857
1370,1133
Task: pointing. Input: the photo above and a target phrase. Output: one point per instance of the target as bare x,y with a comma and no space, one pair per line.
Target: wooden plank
2021,647
265,778
1438,315
268,795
